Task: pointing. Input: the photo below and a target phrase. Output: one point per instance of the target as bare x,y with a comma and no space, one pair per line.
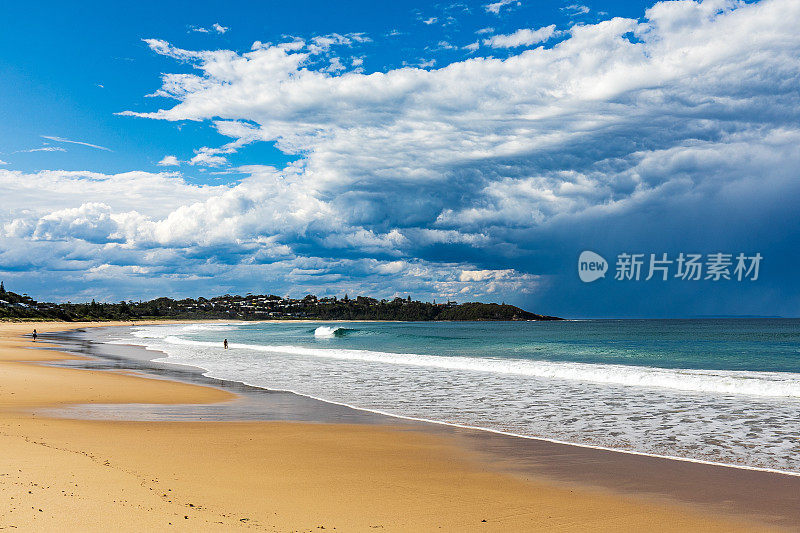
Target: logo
639,266
591,266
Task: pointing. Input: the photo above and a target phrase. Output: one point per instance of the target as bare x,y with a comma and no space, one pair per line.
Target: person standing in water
225,344
34,335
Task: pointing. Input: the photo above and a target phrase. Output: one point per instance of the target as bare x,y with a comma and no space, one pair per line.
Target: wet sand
175,449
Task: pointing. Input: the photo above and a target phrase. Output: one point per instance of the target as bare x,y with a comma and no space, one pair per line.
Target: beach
73,474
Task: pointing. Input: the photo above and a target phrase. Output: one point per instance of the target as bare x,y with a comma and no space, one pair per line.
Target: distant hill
482,311
260,307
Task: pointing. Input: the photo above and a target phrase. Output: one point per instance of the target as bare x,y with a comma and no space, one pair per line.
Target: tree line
259,307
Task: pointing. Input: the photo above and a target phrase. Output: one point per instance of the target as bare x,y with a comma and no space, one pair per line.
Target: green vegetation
259,307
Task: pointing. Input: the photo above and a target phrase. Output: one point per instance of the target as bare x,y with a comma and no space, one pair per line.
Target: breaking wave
770,384
328,331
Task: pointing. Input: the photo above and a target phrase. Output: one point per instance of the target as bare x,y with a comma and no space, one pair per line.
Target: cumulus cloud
216,27
575,9
208,157
472,47
457,179
406,125
521,37
323,43
482,275
169,161
335,65
90,222
497,6
154,194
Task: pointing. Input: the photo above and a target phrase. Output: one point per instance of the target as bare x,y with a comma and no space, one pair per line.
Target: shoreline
202,371
364,415
513,462
429,425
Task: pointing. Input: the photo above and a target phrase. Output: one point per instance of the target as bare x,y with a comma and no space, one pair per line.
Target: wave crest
770,384
329,331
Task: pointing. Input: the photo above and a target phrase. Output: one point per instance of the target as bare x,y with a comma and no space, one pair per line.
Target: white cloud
521,37
244,134
497,6
216,27
169,161
3,162
575,9
409,122
335,65
63,140
91,222
323,43
48,191
430,21
472,47
480,158
42,149
405,125
208,157
483,275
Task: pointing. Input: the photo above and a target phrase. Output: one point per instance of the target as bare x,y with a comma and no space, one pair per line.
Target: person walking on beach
34,335
225,344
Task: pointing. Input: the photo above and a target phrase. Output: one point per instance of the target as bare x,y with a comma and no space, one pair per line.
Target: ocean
721,391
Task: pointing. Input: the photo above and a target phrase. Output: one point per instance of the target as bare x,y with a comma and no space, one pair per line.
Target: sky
466,151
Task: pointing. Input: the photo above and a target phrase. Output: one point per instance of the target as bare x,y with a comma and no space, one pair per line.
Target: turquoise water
724,391
732,344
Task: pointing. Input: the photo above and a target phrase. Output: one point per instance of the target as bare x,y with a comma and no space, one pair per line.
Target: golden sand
78,475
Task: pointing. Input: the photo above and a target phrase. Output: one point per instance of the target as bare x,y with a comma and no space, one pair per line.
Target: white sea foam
178,329
327,331
777,384
739,418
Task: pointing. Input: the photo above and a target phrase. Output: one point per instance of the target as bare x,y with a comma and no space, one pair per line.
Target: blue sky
468,151
67,71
